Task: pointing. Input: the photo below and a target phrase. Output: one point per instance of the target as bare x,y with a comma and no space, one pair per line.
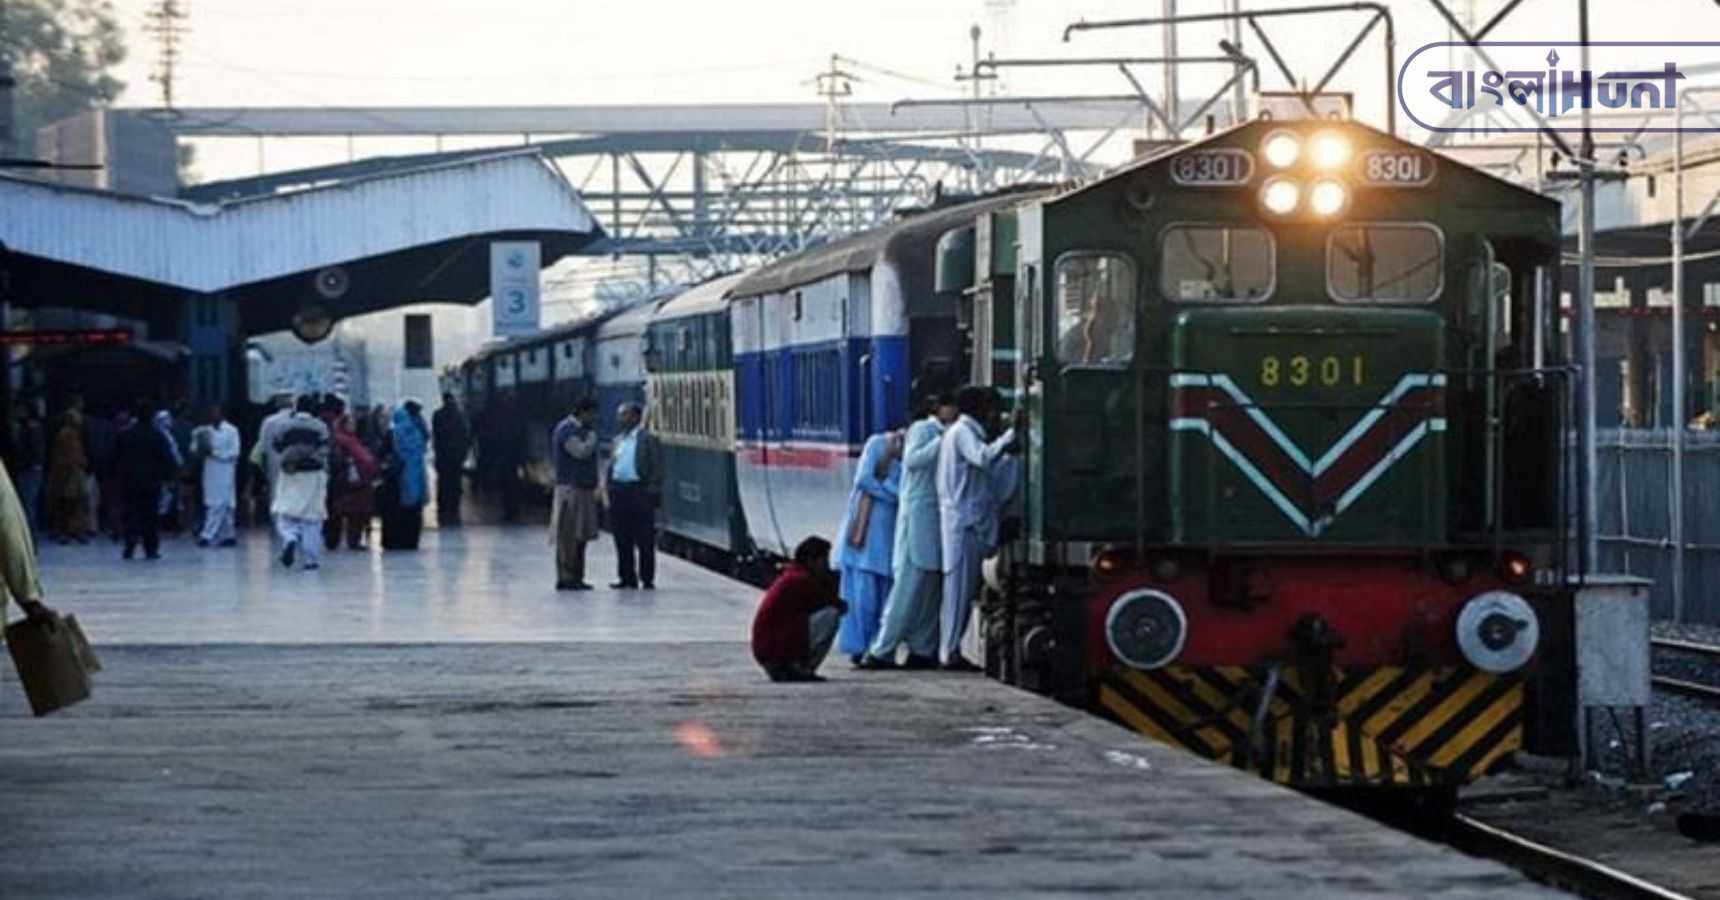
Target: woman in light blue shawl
404,495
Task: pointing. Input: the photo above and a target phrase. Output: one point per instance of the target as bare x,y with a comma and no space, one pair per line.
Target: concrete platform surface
465,584
639,770
444,724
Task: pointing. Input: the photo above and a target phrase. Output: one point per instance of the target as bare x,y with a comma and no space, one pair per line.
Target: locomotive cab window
1385,263
1216,264
1095,310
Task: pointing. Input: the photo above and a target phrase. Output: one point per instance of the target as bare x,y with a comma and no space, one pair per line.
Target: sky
254,53
444,52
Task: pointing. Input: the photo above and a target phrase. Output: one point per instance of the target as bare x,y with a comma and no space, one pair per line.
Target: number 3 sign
514,294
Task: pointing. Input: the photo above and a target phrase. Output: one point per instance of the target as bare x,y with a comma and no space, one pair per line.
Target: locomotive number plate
1304,370
1397,168
1224,167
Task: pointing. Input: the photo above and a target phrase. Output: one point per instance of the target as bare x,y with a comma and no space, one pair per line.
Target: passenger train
1294,496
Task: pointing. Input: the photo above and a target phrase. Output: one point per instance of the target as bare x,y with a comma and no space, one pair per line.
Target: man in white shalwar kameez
911,611
218,442
969,479
300,501
263,455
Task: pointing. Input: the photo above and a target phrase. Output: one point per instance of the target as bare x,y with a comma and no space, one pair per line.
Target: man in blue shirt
635,490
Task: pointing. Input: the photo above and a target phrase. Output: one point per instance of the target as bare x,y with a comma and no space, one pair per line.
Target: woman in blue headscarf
403,494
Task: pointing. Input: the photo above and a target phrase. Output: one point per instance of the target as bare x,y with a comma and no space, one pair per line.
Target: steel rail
1683,646
1683,686
1578,874
1688,688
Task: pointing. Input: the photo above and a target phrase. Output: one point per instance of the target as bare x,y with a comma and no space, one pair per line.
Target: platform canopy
353,246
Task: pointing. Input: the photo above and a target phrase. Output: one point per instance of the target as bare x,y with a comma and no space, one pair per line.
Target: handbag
50,655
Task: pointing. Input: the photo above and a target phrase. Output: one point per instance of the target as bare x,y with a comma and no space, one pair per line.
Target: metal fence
1634,502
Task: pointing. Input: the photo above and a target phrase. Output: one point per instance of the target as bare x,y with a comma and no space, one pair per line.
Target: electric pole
165,21
1586,432
8,148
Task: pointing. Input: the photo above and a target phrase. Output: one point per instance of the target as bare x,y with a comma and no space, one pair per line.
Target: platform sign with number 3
514,294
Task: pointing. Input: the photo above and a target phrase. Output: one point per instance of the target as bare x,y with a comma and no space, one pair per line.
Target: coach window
1095,309
1385,263
1216,264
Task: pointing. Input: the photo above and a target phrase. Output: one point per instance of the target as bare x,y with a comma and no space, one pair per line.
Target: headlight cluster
1327,196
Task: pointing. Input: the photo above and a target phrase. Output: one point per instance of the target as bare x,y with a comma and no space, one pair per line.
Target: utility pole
1586,309
1173,110
833,85
1678,368
1239,94
165,21
8,147
981,175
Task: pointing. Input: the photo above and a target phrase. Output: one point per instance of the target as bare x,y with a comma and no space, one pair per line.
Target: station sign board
516,305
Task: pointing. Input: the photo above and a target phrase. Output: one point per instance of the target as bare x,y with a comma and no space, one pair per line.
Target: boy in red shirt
796,621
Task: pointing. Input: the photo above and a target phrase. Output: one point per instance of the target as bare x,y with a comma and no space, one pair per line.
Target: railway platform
443,724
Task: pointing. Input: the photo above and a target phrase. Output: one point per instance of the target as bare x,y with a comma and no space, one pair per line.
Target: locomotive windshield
1216,264
1095,310
1378,263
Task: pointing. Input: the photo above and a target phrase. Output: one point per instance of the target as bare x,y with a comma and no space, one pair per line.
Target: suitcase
50,663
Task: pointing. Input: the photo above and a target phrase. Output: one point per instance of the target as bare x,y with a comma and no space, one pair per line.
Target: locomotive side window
1385,263
1216,264
1095,310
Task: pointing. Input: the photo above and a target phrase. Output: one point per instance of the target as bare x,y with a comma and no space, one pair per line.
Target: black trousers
448,491
142,522
633,521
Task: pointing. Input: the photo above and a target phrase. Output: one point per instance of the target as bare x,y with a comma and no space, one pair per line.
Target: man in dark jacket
143,462
573,519
635,491
796,621
452,440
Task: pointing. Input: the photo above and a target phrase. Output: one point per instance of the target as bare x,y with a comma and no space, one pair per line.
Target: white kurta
220,465
966,499
301,495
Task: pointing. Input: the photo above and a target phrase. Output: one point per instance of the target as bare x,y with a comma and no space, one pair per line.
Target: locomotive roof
1245,133
708,296
859,252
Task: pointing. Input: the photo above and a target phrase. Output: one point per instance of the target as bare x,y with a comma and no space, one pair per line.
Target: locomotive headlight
1328,198
1280,196
1281,149
1329,150
1146,629
1498,631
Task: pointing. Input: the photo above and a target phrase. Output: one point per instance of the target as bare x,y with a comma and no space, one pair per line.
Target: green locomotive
1295,491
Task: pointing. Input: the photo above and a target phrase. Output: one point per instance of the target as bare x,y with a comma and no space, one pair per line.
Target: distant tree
63,53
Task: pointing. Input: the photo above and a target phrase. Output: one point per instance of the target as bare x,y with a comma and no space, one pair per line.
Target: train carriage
618,362
689,390
1294,489
827,347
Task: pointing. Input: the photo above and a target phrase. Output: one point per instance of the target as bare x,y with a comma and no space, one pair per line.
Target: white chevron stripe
1404,386
1285,505
1223,382
1386,462
1253,410
1288,507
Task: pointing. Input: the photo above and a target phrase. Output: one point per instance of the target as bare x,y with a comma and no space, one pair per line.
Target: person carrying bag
50,652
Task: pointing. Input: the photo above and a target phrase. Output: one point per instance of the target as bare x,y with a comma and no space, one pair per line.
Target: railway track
1579,875
1710,653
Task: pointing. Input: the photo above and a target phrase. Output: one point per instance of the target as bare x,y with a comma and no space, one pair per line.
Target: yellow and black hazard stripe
1382,726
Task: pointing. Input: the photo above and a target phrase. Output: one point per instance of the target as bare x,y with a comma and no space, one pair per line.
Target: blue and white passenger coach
827,345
